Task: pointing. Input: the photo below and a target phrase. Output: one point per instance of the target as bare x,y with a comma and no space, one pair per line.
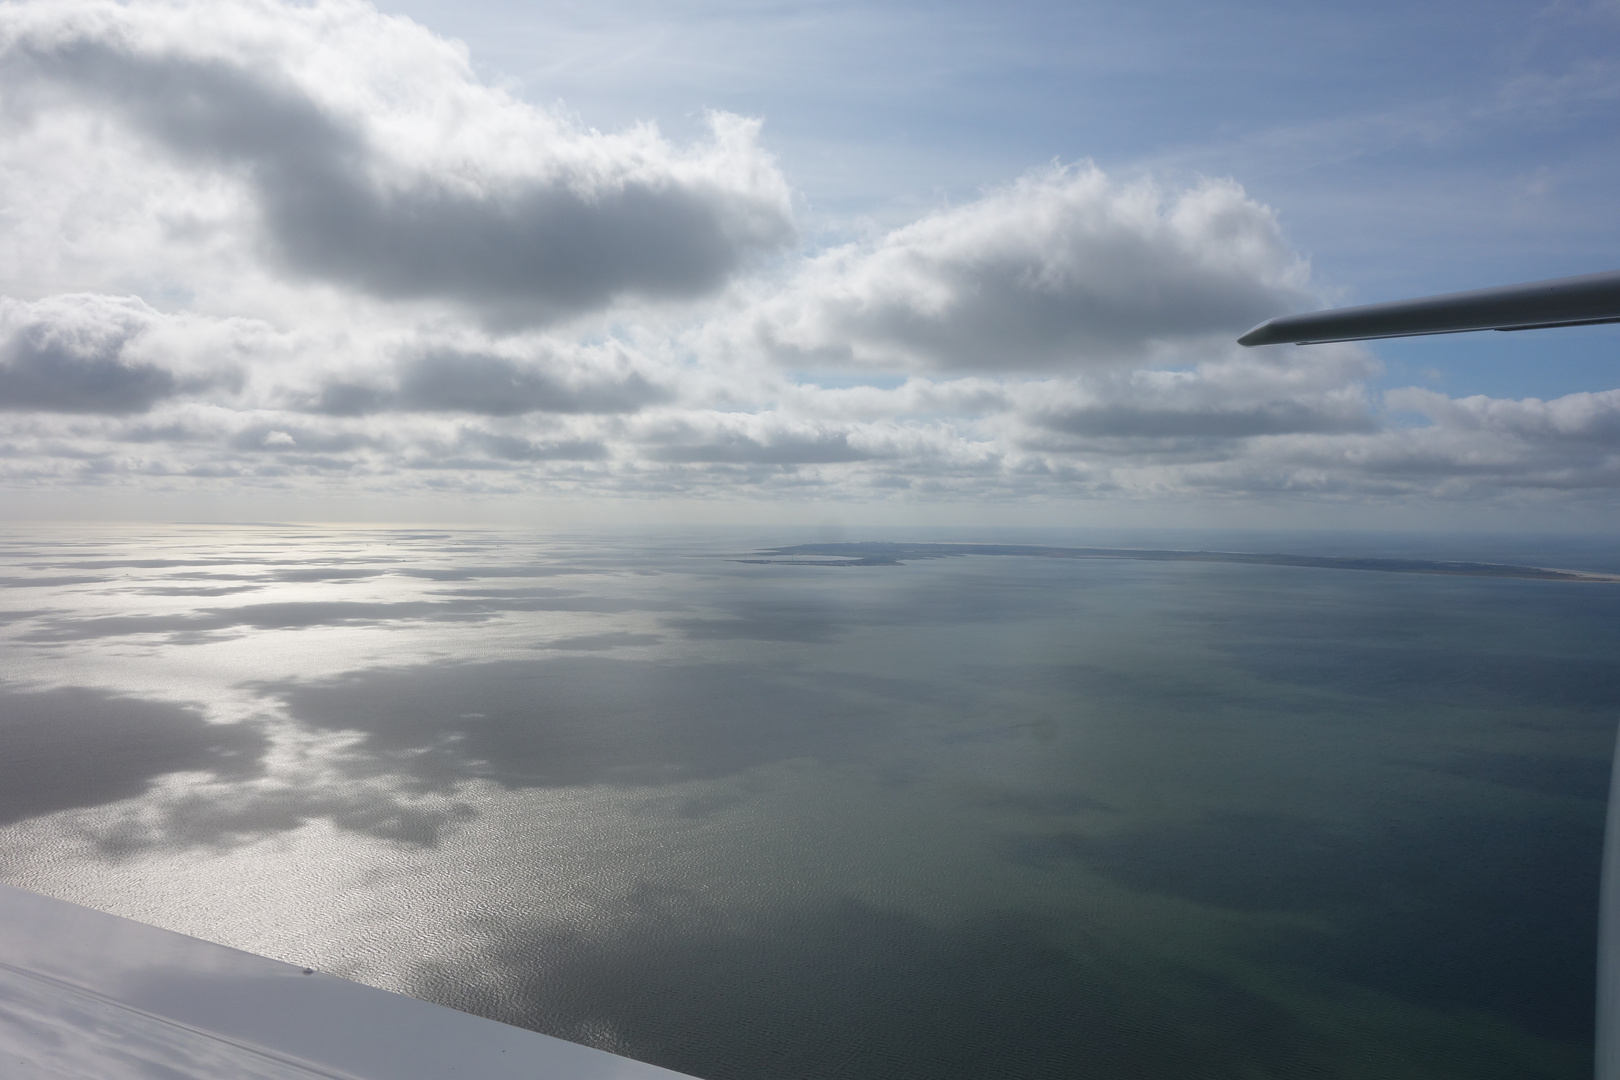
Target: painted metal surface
1607,1056
88,995
1571,301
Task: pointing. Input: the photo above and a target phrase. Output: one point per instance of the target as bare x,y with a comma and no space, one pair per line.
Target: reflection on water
969,816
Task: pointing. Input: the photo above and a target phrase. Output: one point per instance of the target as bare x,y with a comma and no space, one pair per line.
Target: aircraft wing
95,997
1570,301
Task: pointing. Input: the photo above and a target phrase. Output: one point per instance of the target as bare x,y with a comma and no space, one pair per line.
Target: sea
765,803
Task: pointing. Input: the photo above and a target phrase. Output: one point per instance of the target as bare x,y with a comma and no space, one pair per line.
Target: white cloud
1063,268
365,155
249,246
1580,419
115,355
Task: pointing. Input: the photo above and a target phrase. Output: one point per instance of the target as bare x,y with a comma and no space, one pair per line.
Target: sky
954,263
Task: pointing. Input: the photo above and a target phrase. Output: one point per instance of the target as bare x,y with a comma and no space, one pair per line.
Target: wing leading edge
1537,305
86,994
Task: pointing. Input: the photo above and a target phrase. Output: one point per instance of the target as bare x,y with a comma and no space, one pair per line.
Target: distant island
890,554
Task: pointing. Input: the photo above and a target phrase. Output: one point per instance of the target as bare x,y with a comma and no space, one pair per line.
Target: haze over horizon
785,263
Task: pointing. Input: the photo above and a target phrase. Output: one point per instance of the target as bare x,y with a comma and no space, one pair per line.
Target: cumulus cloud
1063,268
754,440
1232,398
443,379
795,451
1584,418
101,354
254,246
389,168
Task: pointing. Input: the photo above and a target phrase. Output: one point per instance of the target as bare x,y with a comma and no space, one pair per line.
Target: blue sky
1408,148
1364,153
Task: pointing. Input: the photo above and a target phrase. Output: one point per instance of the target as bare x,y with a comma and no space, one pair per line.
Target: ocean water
959,816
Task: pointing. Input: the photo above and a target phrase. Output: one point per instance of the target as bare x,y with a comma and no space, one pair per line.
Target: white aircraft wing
90,996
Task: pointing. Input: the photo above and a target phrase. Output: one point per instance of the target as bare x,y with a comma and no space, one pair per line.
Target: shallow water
968,816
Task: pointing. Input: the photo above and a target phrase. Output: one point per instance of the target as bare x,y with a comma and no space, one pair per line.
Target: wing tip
1260,335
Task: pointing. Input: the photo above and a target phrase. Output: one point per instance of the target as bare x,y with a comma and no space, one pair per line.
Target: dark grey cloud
496,386
52,369
742,448
451,381
76,747
335,209
1270,418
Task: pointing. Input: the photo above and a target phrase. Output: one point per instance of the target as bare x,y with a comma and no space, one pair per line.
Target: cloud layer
255,246
514,214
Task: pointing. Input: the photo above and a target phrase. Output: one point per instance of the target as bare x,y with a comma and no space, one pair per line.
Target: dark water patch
57,582
817,615
473,573
1542,774
74,747
602,642
321,573
776,623
202,575
135,564
199,590
966,690
1492,914
850,992
1045,803
571,721
600,605
1437,672
542,598
518,592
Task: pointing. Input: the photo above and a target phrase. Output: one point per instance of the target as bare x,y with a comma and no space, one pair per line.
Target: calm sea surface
970,816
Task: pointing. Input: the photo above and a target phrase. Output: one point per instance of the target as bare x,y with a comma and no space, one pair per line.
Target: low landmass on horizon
896,554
